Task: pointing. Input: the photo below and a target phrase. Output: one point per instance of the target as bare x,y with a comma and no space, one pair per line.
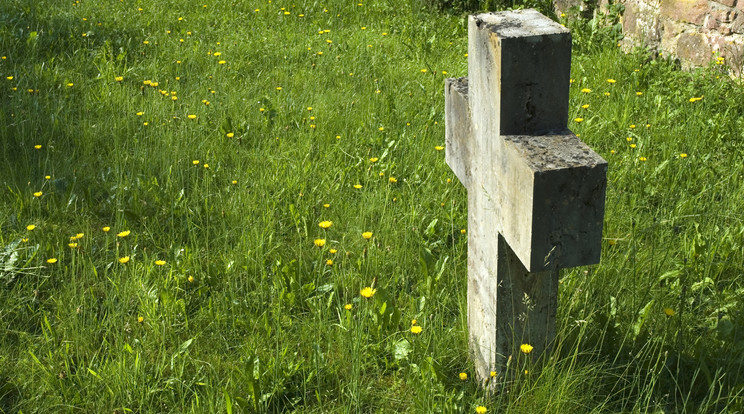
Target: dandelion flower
52,260
586,90
37,146
38,194
190,279
463,376
367,292
611,81
195,162
633,145
416,329
374,159
325,224
480,409
230,134
30,227
124,260
683,155
329,262
526,348
694,99
160,262
393,180
106,229
191,116
348,306
669,312
639,93
124,233
332,251
119,78
358,186
319,242
585,106
140,113
494,374
140,319
72,245
367,235
579,120
438,147
642,158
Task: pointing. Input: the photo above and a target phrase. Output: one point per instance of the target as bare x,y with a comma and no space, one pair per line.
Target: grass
227,304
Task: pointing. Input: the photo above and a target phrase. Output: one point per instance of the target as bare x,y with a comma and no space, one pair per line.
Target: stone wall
698,32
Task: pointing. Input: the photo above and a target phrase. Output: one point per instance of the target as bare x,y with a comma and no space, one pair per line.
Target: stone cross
536,193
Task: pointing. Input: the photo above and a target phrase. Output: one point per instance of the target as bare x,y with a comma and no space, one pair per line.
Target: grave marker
535,192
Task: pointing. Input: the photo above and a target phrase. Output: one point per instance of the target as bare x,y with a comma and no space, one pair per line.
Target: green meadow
226,207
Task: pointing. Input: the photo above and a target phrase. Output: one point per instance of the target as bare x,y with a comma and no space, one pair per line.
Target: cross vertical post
535,191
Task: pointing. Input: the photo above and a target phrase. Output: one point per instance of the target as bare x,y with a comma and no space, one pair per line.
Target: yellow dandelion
37,146
140,113
526,348
639,93
642,158
586,90
438,148
140,319
195,162
348,306
579,120
463,376
38,194
325,224
367,235
160,262
119,78
633,145
481,409
416,329
332,251
392,180
206,165
669,312
494,374
124,260
230,134
72,245
695,99
329,262
683,155
190,279
611,81
234,182
319,242
326,205
585,106
191,116
374,159
52,260
357,186
367,292
106,229
124,233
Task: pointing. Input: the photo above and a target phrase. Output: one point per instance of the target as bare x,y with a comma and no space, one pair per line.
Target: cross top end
519,23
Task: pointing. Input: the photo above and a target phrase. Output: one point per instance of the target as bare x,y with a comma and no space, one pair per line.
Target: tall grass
227,303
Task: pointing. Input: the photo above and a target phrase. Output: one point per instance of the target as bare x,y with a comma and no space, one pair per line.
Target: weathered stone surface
694,48
457,128
729,3
641,21
686,11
